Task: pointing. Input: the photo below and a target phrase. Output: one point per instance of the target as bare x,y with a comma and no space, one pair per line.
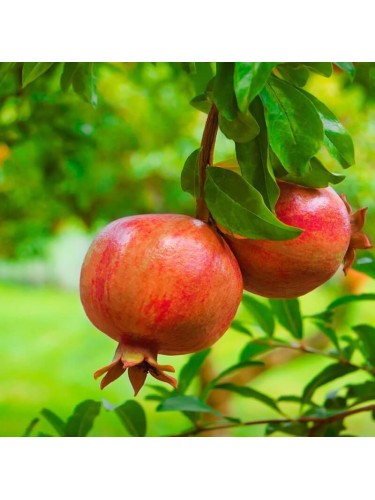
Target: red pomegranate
161,283
286,269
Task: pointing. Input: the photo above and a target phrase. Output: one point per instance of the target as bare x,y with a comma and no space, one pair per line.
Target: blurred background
67,169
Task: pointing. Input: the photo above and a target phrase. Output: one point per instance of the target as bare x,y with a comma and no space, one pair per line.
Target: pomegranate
161,283
286,269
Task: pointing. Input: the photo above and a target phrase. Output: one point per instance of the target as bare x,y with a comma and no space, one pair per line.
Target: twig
303,419
206,158
311,350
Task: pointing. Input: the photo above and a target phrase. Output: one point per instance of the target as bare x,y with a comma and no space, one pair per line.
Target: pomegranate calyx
139,363
358,239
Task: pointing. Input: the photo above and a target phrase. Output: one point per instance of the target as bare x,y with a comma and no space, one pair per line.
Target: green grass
50,351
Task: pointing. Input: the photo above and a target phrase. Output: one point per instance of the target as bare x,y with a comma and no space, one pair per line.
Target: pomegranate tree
286,269
165,284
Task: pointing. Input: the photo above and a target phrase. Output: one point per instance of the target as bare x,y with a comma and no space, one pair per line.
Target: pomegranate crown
358,239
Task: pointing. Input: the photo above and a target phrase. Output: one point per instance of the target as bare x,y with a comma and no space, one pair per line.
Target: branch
311,350
206,158
304,419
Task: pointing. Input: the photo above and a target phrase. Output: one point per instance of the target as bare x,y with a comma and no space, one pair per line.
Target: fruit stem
206,158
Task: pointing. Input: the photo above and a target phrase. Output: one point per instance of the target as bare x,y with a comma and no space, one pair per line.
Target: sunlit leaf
337,139
240,208
249,79
294,126
248,392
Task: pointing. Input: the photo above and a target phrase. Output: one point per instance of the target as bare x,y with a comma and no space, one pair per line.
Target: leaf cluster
278,129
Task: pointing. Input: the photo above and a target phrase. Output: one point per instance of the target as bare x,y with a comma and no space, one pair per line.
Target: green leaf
248,392
329,373
288,313
191,369
261,313
295,74
54,420
290,398
223,92
189,67
81,421
67,75
325,316
366,333
249,79
253,349
294,126
366,264
29,429
240,327
337,139
322,68
133,417
228,371
84,83
190,174
361,392
186,404
242,128
201,103
253,160
330,333
317,177
239,207
5,67
348,67
33,70
351,298
202,76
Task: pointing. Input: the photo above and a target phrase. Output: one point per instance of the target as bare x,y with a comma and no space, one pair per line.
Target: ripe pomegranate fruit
162,283
286,269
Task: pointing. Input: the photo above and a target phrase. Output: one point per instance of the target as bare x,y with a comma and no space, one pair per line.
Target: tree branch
298,346
304,419
206,158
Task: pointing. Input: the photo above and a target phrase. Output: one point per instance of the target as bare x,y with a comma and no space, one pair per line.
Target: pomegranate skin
287,269
161,283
